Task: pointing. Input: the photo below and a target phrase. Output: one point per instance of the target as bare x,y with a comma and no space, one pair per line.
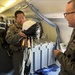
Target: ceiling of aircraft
7,4
44,6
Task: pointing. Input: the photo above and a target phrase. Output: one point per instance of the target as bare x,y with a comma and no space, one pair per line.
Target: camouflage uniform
67,59
13,39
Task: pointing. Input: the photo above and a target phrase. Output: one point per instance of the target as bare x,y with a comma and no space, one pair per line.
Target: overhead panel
7,4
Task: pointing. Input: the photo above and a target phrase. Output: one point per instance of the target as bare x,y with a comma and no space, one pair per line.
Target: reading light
9,3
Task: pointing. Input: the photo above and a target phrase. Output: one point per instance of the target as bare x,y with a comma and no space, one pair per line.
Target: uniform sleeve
66,63
12,37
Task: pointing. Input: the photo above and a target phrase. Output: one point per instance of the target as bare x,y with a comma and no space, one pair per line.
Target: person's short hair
73,3
18,12
1,18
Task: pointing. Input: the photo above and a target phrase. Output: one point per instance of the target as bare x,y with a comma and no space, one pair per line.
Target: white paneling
65,31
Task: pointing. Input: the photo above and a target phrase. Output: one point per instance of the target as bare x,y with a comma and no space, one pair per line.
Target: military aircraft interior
56,34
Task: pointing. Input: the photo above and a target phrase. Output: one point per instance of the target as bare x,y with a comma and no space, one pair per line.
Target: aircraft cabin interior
49,13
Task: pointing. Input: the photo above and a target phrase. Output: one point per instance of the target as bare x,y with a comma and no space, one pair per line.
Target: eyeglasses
65,14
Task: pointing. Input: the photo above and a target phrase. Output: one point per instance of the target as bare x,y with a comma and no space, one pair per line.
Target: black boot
27,70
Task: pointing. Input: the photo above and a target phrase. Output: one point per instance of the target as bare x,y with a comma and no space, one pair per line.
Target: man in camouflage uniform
14,38
67,59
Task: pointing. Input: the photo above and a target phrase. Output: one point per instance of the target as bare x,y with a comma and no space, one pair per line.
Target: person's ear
74,17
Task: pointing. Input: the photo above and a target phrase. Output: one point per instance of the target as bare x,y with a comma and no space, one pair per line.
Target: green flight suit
67,59
13,39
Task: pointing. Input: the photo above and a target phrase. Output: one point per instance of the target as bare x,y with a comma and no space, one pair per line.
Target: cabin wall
49,31
65,31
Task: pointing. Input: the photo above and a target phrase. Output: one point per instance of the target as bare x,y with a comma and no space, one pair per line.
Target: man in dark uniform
6,64
2,29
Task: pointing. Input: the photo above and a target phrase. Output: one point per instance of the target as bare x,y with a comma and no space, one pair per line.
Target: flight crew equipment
32,28
40,52
43,18
51,70
42,55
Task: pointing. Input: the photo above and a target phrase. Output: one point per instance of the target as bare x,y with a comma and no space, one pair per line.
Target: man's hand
56,52
22,34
